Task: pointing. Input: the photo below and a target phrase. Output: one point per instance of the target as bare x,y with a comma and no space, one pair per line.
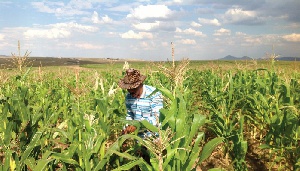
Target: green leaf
8,155
154,163
209,147
33,143
8,132
63,133
30,162
170,154
198,121
26,73
97,144
182,111
124,155
149,126
166,93
194,153
130,165
64,158
42,164
114,147
264,146
298,162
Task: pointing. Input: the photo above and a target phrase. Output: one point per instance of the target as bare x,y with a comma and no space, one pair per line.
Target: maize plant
252,106
72,120
56,125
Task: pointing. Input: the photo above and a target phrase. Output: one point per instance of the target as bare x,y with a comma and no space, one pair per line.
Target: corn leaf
209,147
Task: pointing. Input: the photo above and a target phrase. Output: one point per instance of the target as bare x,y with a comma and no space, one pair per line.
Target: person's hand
129,129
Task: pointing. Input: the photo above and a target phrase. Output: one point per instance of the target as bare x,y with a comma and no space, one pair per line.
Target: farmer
139,105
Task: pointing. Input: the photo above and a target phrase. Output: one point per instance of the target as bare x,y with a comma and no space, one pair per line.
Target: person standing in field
139,104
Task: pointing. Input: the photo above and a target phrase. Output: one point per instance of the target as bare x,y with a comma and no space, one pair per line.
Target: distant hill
6,62
288,59
3,56
229,58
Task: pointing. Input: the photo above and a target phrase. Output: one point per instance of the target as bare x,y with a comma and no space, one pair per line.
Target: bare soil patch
6,62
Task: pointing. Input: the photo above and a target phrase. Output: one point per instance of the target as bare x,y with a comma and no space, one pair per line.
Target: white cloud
87,46
188,41
194,32
2,36
75,26
95,17
292,37
178,1
214,22
175,2
178,30
5,45
146,26
80,4
53,33
165,44
121,8
42,7
240,33
140,35
59,30
150,11
146,45
222,32
292,26
79,45
103,20
143,0
258,40
238,16
106,19
253,40
74,7
190,31
194,24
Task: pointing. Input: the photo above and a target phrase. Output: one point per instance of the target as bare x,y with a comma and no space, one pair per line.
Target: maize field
236,118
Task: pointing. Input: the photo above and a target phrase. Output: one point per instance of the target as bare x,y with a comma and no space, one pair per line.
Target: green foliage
72,120
255,105
56,124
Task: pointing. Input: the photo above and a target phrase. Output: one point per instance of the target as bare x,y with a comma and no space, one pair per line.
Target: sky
144,29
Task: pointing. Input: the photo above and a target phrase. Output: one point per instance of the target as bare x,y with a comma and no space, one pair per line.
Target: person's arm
129,111
129,116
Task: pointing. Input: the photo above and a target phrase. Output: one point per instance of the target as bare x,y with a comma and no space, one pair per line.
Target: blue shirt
146,107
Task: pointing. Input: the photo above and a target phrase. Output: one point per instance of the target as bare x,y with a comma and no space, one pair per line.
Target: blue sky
144,29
